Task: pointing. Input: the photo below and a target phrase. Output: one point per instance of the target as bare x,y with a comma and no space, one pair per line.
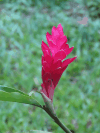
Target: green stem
56,120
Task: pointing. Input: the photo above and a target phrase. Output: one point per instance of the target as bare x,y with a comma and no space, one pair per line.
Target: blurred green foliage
23,25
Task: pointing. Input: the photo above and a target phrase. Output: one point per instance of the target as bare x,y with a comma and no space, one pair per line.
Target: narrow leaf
8,89
13,95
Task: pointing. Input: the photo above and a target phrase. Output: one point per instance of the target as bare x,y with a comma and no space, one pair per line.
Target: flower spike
53,63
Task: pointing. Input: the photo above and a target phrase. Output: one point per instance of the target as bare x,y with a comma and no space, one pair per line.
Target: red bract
52,60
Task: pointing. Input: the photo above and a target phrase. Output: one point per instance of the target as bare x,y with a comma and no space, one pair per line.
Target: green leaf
37,95
13,95
8,89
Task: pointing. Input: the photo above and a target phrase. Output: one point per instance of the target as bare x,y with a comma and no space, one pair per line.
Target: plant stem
57,121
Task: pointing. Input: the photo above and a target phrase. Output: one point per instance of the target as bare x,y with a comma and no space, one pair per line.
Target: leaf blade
13,95
9,89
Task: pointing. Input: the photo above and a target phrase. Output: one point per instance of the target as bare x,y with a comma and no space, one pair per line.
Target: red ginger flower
52,60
